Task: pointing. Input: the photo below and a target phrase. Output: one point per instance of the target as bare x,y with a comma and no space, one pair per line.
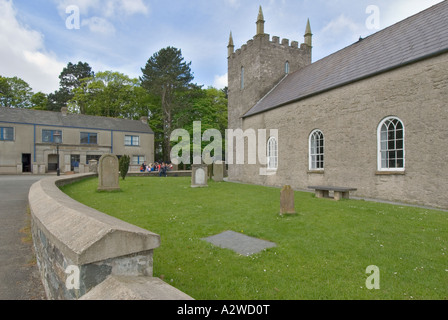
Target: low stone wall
184,173
81,252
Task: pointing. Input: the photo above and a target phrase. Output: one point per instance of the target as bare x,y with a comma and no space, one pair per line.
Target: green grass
322,252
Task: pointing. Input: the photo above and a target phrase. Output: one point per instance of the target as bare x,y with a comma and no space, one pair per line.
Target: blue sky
121,35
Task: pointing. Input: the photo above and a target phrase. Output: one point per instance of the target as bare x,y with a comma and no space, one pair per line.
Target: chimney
64,111
144,120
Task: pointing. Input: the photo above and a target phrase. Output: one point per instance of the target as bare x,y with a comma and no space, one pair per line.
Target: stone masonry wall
349,118
79,250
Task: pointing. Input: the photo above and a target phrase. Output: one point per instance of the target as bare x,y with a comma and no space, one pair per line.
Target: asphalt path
19,275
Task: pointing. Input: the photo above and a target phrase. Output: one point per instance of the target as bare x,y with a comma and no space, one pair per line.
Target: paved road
19,275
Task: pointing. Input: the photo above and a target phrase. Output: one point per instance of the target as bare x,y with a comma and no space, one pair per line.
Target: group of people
162,168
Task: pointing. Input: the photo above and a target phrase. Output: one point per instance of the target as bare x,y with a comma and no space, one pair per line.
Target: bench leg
322,194
338,195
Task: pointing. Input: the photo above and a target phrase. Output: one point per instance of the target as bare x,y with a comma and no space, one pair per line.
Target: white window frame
382,143
3,134
132,144
314,150
272,153
138,159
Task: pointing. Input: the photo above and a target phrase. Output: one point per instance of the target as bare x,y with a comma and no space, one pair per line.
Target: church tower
259,65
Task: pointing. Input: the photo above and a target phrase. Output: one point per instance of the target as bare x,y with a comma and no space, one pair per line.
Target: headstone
287,201
93,166
108,173
218,171
199,176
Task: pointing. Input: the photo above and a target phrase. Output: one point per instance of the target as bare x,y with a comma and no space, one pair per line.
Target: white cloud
23,53
397,10
104,8
341,25
220,82
99,25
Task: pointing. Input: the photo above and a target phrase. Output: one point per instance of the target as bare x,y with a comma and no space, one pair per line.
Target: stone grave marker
108,173
199,176
287,201
218,171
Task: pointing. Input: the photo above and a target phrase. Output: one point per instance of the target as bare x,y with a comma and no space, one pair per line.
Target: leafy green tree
209,106
165,75
110,94
70,79
15,93
123,165
39,101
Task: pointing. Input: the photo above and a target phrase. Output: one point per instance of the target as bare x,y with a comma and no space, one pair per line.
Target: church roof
415,38
57,119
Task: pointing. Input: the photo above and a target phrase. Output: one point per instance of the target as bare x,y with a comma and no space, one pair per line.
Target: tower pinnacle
260,22
308,35
230,46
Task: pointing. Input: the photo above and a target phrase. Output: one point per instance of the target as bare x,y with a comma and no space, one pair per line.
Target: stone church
372,116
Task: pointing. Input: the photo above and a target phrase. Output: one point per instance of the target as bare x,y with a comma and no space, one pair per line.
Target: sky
38,38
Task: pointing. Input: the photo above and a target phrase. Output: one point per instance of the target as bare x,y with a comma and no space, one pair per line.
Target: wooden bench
339,192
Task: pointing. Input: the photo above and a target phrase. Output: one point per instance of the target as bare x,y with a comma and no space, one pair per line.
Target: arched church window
287,67
272,150
242,77
317,150
391,145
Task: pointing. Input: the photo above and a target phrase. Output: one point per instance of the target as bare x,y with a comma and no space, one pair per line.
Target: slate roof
415,38
56,119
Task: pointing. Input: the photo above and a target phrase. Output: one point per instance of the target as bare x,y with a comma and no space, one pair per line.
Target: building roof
58,119
415,38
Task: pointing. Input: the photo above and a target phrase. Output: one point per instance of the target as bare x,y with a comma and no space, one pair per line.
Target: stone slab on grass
239,242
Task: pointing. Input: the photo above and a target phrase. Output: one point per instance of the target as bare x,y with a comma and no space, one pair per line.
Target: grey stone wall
349,117
78,248
263,61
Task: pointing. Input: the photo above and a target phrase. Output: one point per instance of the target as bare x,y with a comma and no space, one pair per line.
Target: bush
124,166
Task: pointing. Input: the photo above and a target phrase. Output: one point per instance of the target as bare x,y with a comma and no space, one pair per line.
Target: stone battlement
264,42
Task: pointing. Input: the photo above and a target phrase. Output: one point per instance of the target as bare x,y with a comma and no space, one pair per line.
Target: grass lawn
322,252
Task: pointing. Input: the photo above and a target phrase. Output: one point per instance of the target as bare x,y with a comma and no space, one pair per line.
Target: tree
70,79
209,106
39,101
123,165
110,94
15,93
165,75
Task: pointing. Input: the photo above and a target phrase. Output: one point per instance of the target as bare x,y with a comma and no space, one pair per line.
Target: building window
75,159
391,145
287,67
272,149
317,150
89,138
242,78
138,160
133,141
52,136
6,134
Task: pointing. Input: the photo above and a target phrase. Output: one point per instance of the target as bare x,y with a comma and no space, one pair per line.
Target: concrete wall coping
83,234
134,288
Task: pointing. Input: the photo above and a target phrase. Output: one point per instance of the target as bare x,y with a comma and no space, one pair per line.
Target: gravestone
93,166
108,173
218,171
287,201
199,176
240,243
